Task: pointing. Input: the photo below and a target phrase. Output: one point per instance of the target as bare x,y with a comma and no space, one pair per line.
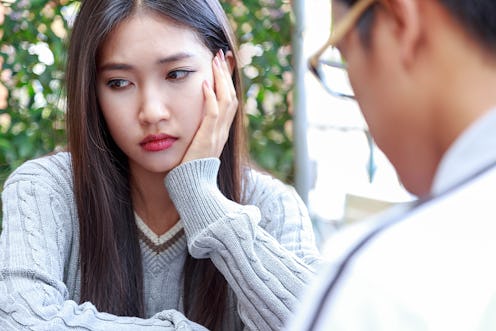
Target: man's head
421,71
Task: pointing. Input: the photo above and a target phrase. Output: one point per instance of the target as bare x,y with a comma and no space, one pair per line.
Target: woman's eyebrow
127,67
115,66
175,57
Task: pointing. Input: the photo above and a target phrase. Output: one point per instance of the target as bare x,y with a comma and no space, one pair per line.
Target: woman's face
149,85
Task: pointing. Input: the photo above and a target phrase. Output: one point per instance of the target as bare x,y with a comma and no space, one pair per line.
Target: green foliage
33,52
264,30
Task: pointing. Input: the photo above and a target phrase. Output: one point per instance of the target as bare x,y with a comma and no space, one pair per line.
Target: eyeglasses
327,63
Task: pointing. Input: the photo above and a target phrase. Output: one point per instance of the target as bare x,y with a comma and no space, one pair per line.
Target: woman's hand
220,108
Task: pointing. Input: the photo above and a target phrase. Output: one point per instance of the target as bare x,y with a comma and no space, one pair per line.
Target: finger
221,83
225,91
228,72
209,122
212,128
226,97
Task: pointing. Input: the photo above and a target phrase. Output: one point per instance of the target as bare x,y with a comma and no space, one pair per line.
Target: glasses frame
337,34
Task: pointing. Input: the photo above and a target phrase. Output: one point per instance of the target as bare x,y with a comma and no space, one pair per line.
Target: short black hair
477,17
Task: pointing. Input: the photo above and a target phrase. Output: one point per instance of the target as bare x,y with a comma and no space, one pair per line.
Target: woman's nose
153,107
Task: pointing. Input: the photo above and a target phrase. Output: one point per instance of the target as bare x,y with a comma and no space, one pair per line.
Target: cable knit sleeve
265,249
38,242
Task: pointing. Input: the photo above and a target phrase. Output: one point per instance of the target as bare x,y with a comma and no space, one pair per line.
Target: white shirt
432,268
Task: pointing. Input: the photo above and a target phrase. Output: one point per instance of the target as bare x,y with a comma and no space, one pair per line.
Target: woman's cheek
193,112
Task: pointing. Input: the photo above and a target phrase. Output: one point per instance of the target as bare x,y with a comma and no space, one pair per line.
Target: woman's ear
230,60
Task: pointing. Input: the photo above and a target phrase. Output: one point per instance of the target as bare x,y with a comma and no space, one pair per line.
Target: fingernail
221,53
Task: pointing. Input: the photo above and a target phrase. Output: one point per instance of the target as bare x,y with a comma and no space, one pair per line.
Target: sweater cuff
193,188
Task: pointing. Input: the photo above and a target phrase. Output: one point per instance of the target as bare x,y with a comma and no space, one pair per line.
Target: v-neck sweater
264,247
163,258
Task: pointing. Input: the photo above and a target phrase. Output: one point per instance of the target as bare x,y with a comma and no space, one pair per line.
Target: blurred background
297,132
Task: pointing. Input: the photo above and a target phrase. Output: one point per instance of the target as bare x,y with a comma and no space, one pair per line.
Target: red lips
157,142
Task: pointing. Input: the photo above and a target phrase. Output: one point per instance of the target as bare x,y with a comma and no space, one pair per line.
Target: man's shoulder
465,212
466,205
430,239
409,265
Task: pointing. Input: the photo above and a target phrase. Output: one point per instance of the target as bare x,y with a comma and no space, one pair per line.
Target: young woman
153,218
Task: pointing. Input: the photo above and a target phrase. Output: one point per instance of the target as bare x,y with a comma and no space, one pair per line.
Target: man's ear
406,14
230,60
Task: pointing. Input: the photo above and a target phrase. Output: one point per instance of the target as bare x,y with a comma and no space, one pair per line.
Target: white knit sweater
264,248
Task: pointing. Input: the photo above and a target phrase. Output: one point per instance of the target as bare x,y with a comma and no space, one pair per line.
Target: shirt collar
473,150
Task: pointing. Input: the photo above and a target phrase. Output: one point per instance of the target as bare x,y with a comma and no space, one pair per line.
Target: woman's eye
178,74
118,83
